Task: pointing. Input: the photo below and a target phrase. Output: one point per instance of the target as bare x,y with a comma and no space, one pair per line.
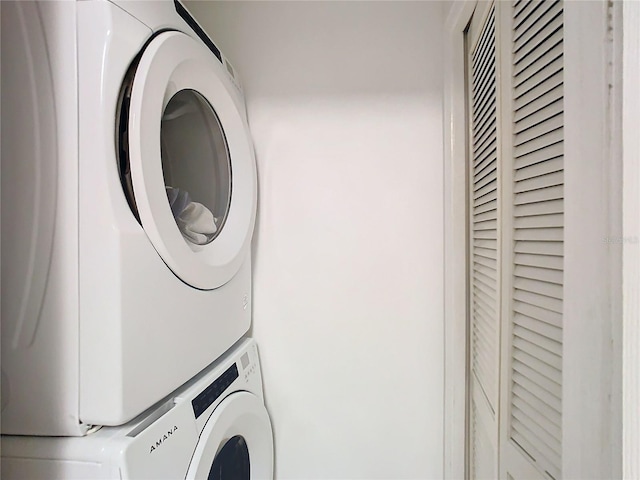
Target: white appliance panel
107,328
177,437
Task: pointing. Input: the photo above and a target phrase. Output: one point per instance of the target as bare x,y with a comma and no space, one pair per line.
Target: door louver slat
487,234
527,105
486,262
539,248
488,197
535,447
482,135
530,390
538,319
483,93
541,221
544,154
543,288
485,207
542,208
488,176
542,193
522,365
541,341
537,112
548,416
522,419
481,299
545,174
539,234
488,111
538,273
482,52
533,25
535,399
536,384
550,138
484,215
549,90
488,188
485,113
539,71
532,348
524,9
487,281
537,300
486,155
483,252
527,133
534,50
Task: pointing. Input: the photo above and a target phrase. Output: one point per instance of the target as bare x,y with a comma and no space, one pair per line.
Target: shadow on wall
325,48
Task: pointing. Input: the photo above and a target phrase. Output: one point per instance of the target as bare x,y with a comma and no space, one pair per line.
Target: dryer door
191,162
236,442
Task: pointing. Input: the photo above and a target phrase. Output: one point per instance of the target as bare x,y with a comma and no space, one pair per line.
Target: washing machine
128,206
214,427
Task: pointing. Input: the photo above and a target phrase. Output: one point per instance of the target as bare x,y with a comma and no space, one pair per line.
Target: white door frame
592,341
631,235
455,232
592,357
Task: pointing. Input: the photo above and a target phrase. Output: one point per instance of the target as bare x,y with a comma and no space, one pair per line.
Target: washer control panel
210,394
248,367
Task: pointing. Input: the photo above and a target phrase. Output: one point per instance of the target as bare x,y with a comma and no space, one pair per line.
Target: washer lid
236,442
191,160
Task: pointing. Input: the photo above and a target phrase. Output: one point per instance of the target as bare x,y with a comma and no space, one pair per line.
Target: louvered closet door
483,242
531,413
515,97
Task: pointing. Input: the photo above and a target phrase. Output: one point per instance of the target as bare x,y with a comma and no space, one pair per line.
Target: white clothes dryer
128,206
215,427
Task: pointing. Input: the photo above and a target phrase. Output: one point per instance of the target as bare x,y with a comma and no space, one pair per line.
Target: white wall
345,106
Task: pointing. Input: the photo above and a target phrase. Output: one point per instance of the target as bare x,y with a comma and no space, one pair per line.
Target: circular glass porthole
177,163
196,167
232,462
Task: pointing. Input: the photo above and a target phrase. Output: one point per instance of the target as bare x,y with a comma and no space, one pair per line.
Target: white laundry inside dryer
195,221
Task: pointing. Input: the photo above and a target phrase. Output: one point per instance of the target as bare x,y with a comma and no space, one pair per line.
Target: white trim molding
631,239
455,206
592,317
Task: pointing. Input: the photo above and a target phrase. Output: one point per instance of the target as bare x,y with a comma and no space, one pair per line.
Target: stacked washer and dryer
128,205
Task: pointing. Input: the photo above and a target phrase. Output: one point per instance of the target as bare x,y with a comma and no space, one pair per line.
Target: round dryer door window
192,167
236,442
192,140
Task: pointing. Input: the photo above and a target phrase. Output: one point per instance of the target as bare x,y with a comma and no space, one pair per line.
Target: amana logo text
161,440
